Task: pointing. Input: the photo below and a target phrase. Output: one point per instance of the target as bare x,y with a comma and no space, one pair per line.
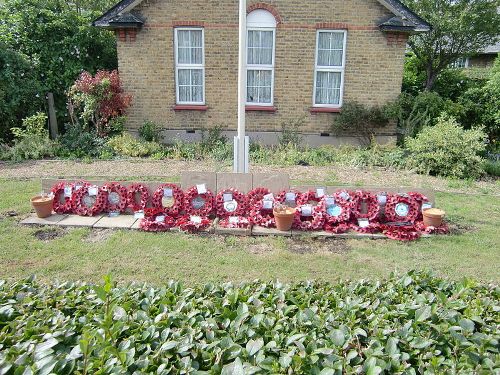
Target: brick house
179,60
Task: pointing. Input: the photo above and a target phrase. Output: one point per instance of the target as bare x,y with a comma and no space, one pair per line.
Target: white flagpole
241,161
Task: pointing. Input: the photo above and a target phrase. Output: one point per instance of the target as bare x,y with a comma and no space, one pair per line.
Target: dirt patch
460,228
49,234
98,235
325,246
260,248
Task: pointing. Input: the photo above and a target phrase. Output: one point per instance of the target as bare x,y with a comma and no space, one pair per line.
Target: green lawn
129,255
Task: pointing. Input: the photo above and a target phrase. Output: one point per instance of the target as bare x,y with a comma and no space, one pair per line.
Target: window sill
260,108
184,107
325,110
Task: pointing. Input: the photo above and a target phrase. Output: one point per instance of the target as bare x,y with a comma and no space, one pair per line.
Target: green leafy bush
150,131
407,324
127,145
77,142
291,132
492,167
447,149
35,125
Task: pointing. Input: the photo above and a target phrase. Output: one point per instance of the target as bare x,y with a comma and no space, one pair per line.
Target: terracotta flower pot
284,219
42,205
433,217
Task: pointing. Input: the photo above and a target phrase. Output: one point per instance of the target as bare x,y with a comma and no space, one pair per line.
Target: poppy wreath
373,208
242,222
314,222
402,233
150,224
370,229
58,192
336,227
133,190
442,229
79,206
205,210
393,200
115,187
281,196
343,196
186,224
420,198
261,216
239,198
177,195
345,207
256,195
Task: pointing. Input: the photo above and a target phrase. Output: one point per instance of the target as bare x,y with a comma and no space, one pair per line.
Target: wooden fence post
53,130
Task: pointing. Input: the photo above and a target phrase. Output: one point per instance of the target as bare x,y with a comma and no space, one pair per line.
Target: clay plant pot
42,205
433,217
284,219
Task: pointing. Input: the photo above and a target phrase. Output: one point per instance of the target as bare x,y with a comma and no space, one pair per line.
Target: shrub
411,323
77,142
35,125
492,167
290,132
212,139
150,132
360,121
448,150
127,145
29,148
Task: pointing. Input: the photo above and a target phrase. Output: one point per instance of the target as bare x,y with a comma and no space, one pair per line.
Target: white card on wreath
68,190
202,188
290,197
78,187
268,197
330,201
196,219
320,193
266,204
168,193
160,219
426,206
306,210
363,223
139,215
228,197
234,219
93,191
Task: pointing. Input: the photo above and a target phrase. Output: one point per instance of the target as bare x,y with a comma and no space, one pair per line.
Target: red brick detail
260,108
271,9
332,25
325,110
182,107
188,23
398,39
122,34
132,34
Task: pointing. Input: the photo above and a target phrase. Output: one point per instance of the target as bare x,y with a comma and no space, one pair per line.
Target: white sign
320,193
268,197
160,219
230,206
306,210
363,223
345,195
139,215
68,190
330,201
93,191
266,204
402,209
290,197
195,219
78,187
426,206
234,219
202,188
228,197
382,199
114,214
168,193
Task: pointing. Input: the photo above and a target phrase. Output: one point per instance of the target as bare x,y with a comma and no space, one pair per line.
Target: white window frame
333,69
268,67
179,66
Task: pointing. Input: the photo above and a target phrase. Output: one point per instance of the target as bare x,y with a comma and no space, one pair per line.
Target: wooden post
53,130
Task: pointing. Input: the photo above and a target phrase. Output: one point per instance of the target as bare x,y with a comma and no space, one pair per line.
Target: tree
460,28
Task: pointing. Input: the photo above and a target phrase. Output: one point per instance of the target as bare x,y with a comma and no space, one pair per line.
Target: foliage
127,145
58,41
459,28
407,322
77,142
35,125
447,149
360,121
492,167
97,99
150,131
20,91
291,133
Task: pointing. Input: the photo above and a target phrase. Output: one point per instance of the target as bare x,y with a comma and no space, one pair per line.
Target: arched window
261,32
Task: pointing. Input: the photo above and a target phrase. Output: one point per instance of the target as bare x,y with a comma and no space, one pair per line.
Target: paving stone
35,220
79,221
233,231
274,182
121,221
261,231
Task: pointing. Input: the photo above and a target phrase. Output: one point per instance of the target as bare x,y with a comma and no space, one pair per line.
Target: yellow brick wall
373,70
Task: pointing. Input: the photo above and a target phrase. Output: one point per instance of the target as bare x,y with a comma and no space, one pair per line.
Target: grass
135,256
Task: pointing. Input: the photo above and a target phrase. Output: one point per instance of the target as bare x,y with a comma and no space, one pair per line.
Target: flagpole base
241,155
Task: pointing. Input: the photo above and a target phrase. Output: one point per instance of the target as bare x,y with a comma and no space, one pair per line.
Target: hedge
407,324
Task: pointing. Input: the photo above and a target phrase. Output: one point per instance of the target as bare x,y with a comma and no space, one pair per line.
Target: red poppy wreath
63,193
89,200
402,233
116,197
234,222
372,206
133,191
196,204
307,216
262,213
256,195
401,208
230,202
336,209
193,224
155,220
172,192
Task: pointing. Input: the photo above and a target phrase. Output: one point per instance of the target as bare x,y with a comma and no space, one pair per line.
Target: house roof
494,48
404,19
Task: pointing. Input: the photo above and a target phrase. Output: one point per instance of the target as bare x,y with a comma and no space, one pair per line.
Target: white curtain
190,85
260,47
259,86
330,48
328,87
190,46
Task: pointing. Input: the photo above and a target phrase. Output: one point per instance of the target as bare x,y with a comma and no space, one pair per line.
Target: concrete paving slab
240,181
190,179
121,221
35,220
261,231
233,231
274,182
79,221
